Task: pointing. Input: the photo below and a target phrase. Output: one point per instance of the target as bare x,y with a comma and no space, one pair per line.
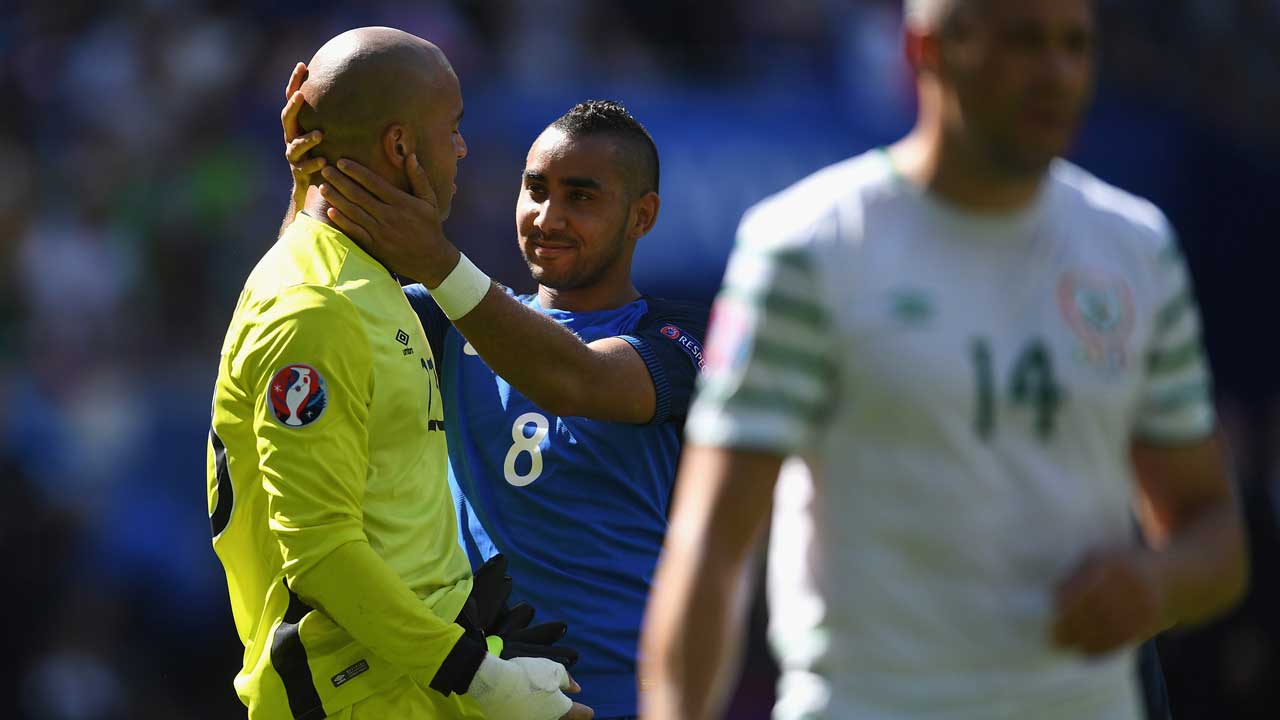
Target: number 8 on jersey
522,443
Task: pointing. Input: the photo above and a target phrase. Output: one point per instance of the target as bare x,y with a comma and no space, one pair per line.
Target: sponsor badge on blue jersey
686,342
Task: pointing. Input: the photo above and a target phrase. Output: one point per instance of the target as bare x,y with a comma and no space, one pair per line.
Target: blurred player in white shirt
988,359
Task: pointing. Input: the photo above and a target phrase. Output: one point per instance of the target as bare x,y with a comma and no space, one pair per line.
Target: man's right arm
1197,565
768,381
692,637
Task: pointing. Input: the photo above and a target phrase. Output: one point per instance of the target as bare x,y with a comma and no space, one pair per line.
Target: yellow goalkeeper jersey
327,486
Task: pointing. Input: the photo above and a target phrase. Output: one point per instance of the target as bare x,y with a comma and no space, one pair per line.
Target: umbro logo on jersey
911,307
341,678
402,337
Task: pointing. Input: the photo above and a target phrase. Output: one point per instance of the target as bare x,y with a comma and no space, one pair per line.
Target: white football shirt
964,389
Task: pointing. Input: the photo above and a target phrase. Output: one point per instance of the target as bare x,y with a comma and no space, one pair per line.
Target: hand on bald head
373,92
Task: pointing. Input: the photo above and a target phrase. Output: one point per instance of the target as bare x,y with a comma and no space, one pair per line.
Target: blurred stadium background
141,176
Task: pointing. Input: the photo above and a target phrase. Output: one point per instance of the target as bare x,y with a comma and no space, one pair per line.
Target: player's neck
929,160
317,208
598,296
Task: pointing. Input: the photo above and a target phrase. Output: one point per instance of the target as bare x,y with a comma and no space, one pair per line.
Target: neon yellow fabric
494,644
345,499
404,700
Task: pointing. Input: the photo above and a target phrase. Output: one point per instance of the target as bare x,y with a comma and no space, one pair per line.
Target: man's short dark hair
608,117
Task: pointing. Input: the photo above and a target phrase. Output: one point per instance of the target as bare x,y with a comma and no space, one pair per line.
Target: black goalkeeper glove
506,630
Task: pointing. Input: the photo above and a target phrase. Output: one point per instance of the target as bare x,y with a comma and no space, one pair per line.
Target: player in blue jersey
562,456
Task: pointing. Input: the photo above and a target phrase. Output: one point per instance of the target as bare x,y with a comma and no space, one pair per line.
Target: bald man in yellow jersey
328,497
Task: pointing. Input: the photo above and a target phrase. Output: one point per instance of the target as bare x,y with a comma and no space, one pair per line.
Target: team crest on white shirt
1099,308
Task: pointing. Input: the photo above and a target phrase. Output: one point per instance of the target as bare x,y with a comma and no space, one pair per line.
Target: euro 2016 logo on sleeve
297,395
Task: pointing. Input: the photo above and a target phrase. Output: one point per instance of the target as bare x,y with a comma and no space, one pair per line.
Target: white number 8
531,444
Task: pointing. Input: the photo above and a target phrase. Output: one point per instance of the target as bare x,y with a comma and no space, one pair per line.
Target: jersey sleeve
311,368
770,369
434,322
669,339
1176,405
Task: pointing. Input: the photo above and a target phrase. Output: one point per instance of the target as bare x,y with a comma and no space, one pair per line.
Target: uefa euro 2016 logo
297,395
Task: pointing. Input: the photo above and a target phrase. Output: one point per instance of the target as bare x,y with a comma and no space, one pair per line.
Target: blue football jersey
578,507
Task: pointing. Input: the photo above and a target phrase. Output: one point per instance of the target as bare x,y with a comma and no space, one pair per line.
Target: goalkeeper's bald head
380,95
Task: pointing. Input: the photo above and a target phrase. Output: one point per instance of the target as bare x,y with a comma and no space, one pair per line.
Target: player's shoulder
1118,213
315,253
675,324
821,207
667,306
309,305
675,311
304,318
309,267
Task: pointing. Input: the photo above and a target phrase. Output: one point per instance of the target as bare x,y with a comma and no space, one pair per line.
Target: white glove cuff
520,687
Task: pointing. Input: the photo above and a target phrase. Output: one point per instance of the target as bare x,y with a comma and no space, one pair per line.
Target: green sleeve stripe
1170,439
775,304
770,352
1175,359
792,259
1180,396
1173,311
772,402
1171,253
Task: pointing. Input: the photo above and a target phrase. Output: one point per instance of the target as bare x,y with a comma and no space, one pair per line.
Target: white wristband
462,290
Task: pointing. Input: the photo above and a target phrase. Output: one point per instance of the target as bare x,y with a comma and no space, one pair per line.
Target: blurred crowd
143,175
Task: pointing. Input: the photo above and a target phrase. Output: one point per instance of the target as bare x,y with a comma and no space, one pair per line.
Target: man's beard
579,275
